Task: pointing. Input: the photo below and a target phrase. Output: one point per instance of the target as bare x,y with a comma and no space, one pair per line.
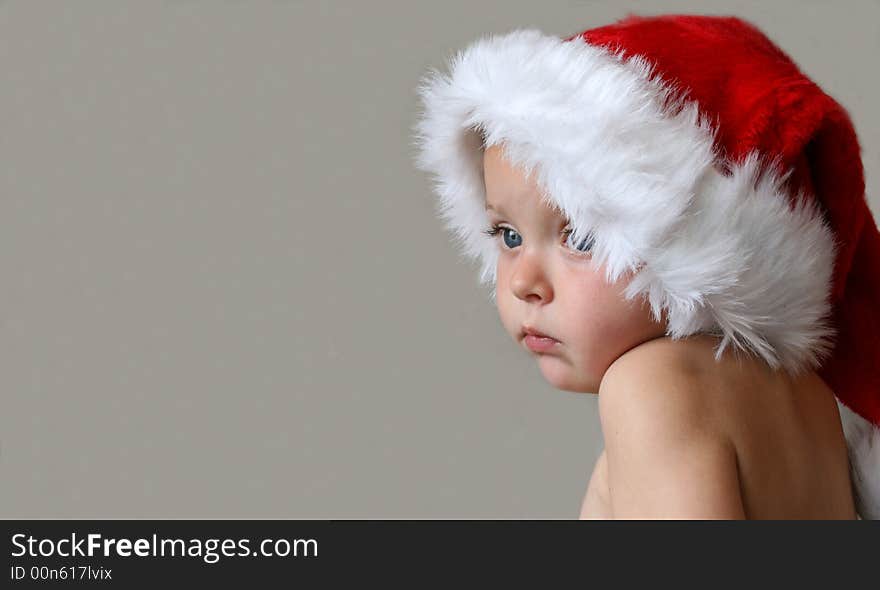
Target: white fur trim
630,162
863,446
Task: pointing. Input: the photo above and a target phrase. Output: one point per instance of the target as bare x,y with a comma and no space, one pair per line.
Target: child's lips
540,344
538,341
529,330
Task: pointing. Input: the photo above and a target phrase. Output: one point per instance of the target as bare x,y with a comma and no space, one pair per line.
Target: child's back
791,453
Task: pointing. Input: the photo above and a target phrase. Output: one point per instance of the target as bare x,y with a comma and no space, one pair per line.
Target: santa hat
692,149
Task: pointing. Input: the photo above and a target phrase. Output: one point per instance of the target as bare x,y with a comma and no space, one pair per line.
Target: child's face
550,284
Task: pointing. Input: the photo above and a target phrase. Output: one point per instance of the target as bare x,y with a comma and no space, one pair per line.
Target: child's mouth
540,343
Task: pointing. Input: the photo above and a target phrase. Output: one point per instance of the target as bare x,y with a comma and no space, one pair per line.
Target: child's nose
529,280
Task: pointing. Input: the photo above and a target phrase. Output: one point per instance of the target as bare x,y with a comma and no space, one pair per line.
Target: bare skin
791,453
783,441
546,283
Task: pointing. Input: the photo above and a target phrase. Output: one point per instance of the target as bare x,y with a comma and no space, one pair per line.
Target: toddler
671,215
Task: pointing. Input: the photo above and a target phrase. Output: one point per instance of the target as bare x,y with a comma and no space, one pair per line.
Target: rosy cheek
501,284
502,275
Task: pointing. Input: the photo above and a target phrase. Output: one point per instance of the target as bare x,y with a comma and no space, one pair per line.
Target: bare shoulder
667,381
669,454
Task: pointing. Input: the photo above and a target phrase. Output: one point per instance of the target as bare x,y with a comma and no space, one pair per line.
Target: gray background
224,290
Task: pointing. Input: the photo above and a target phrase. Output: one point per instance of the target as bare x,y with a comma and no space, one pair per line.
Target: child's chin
561,375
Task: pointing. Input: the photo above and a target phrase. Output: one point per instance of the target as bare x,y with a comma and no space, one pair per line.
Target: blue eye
511,238
585,246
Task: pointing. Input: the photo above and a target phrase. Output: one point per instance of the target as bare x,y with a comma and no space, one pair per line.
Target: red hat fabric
695,149
761,100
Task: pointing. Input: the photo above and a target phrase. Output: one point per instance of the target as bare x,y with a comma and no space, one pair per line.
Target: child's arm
665,459
596,504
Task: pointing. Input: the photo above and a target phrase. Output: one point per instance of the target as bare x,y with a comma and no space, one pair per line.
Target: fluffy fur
863,446
630,162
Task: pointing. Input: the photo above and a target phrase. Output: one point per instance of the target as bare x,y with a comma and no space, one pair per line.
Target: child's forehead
528,203
506,184
497,166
